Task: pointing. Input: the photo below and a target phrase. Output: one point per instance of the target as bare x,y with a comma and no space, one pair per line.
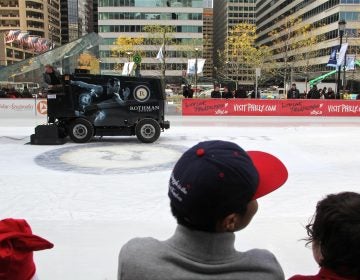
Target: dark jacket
293,93
330,95
215,94
240,93
188,92
53,78
227,95
313,94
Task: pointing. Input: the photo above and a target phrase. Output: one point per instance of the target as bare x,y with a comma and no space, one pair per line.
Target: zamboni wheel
81,130
147,130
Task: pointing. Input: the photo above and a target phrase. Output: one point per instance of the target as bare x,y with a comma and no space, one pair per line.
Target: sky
90,199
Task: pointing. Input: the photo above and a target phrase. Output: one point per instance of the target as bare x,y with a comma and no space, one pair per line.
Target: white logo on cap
176,186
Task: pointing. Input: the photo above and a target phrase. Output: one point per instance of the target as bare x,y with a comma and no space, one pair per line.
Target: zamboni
97,105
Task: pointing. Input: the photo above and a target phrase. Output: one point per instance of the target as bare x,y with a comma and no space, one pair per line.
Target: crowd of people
13,93
213,190
313,93
240,92
292,93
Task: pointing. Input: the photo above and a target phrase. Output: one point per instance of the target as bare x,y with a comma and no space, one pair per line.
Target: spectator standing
213,190
26,93
3,93
216,92
313,93
185,91
293,92
257,93
226,93
334,234
323,93
240,92
191,91
330,94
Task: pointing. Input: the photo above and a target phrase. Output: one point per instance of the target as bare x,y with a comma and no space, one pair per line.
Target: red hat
17,244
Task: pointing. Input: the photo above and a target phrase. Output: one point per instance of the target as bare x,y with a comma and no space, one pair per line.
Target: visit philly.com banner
243,107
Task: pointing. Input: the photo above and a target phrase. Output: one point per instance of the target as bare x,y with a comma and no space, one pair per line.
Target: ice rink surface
90,199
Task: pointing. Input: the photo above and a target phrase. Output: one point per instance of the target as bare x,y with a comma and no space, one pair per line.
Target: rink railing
23,107
275,107
29,107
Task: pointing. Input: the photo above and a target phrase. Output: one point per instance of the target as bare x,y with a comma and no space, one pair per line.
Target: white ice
92,198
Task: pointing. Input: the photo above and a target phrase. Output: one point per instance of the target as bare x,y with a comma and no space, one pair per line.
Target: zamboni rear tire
147,130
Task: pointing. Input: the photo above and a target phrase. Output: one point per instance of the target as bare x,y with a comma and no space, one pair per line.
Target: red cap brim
272,172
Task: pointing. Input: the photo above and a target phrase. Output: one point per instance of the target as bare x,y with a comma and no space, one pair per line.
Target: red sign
259,107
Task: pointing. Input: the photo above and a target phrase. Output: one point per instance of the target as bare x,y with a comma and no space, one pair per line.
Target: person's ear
234,222
230,223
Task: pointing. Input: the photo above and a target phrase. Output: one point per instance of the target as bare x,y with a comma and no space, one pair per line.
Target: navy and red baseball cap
216,178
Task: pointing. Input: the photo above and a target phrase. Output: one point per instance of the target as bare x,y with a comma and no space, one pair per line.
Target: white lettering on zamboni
143,108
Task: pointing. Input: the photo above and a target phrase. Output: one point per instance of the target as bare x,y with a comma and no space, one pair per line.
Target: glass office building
127,18
227,14
76,19
324,17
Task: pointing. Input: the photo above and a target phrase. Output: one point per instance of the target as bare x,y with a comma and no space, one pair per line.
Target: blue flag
332,60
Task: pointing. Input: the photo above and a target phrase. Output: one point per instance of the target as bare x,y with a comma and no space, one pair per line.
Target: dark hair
335,228
208,225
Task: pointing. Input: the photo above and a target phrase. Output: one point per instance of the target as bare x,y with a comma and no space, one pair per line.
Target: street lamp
196,68
342,25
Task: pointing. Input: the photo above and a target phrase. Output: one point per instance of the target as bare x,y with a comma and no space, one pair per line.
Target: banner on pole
342,53
192,65
350,62
128,68
332,60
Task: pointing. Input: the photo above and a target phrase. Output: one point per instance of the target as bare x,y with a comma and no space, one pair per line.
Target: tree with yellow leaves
160,36
294,46
243,56
305,50
125,47
89,62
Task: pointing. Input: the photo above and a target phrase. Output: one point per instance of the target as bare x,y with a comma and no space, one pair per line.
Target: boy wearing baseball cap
213,190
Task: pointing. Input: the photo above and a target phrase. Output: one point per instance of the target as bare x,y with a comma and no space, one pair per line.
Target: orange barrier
278,107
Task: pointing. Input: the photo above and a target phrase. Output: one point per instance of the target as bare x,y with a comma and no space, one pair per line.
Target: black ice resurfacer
97,105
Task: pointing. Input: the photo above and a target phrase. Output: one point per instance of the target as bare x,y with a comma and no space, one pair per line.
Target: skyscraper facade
35,19
208,42
227,14
208,3
323,17
127,18
77,19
